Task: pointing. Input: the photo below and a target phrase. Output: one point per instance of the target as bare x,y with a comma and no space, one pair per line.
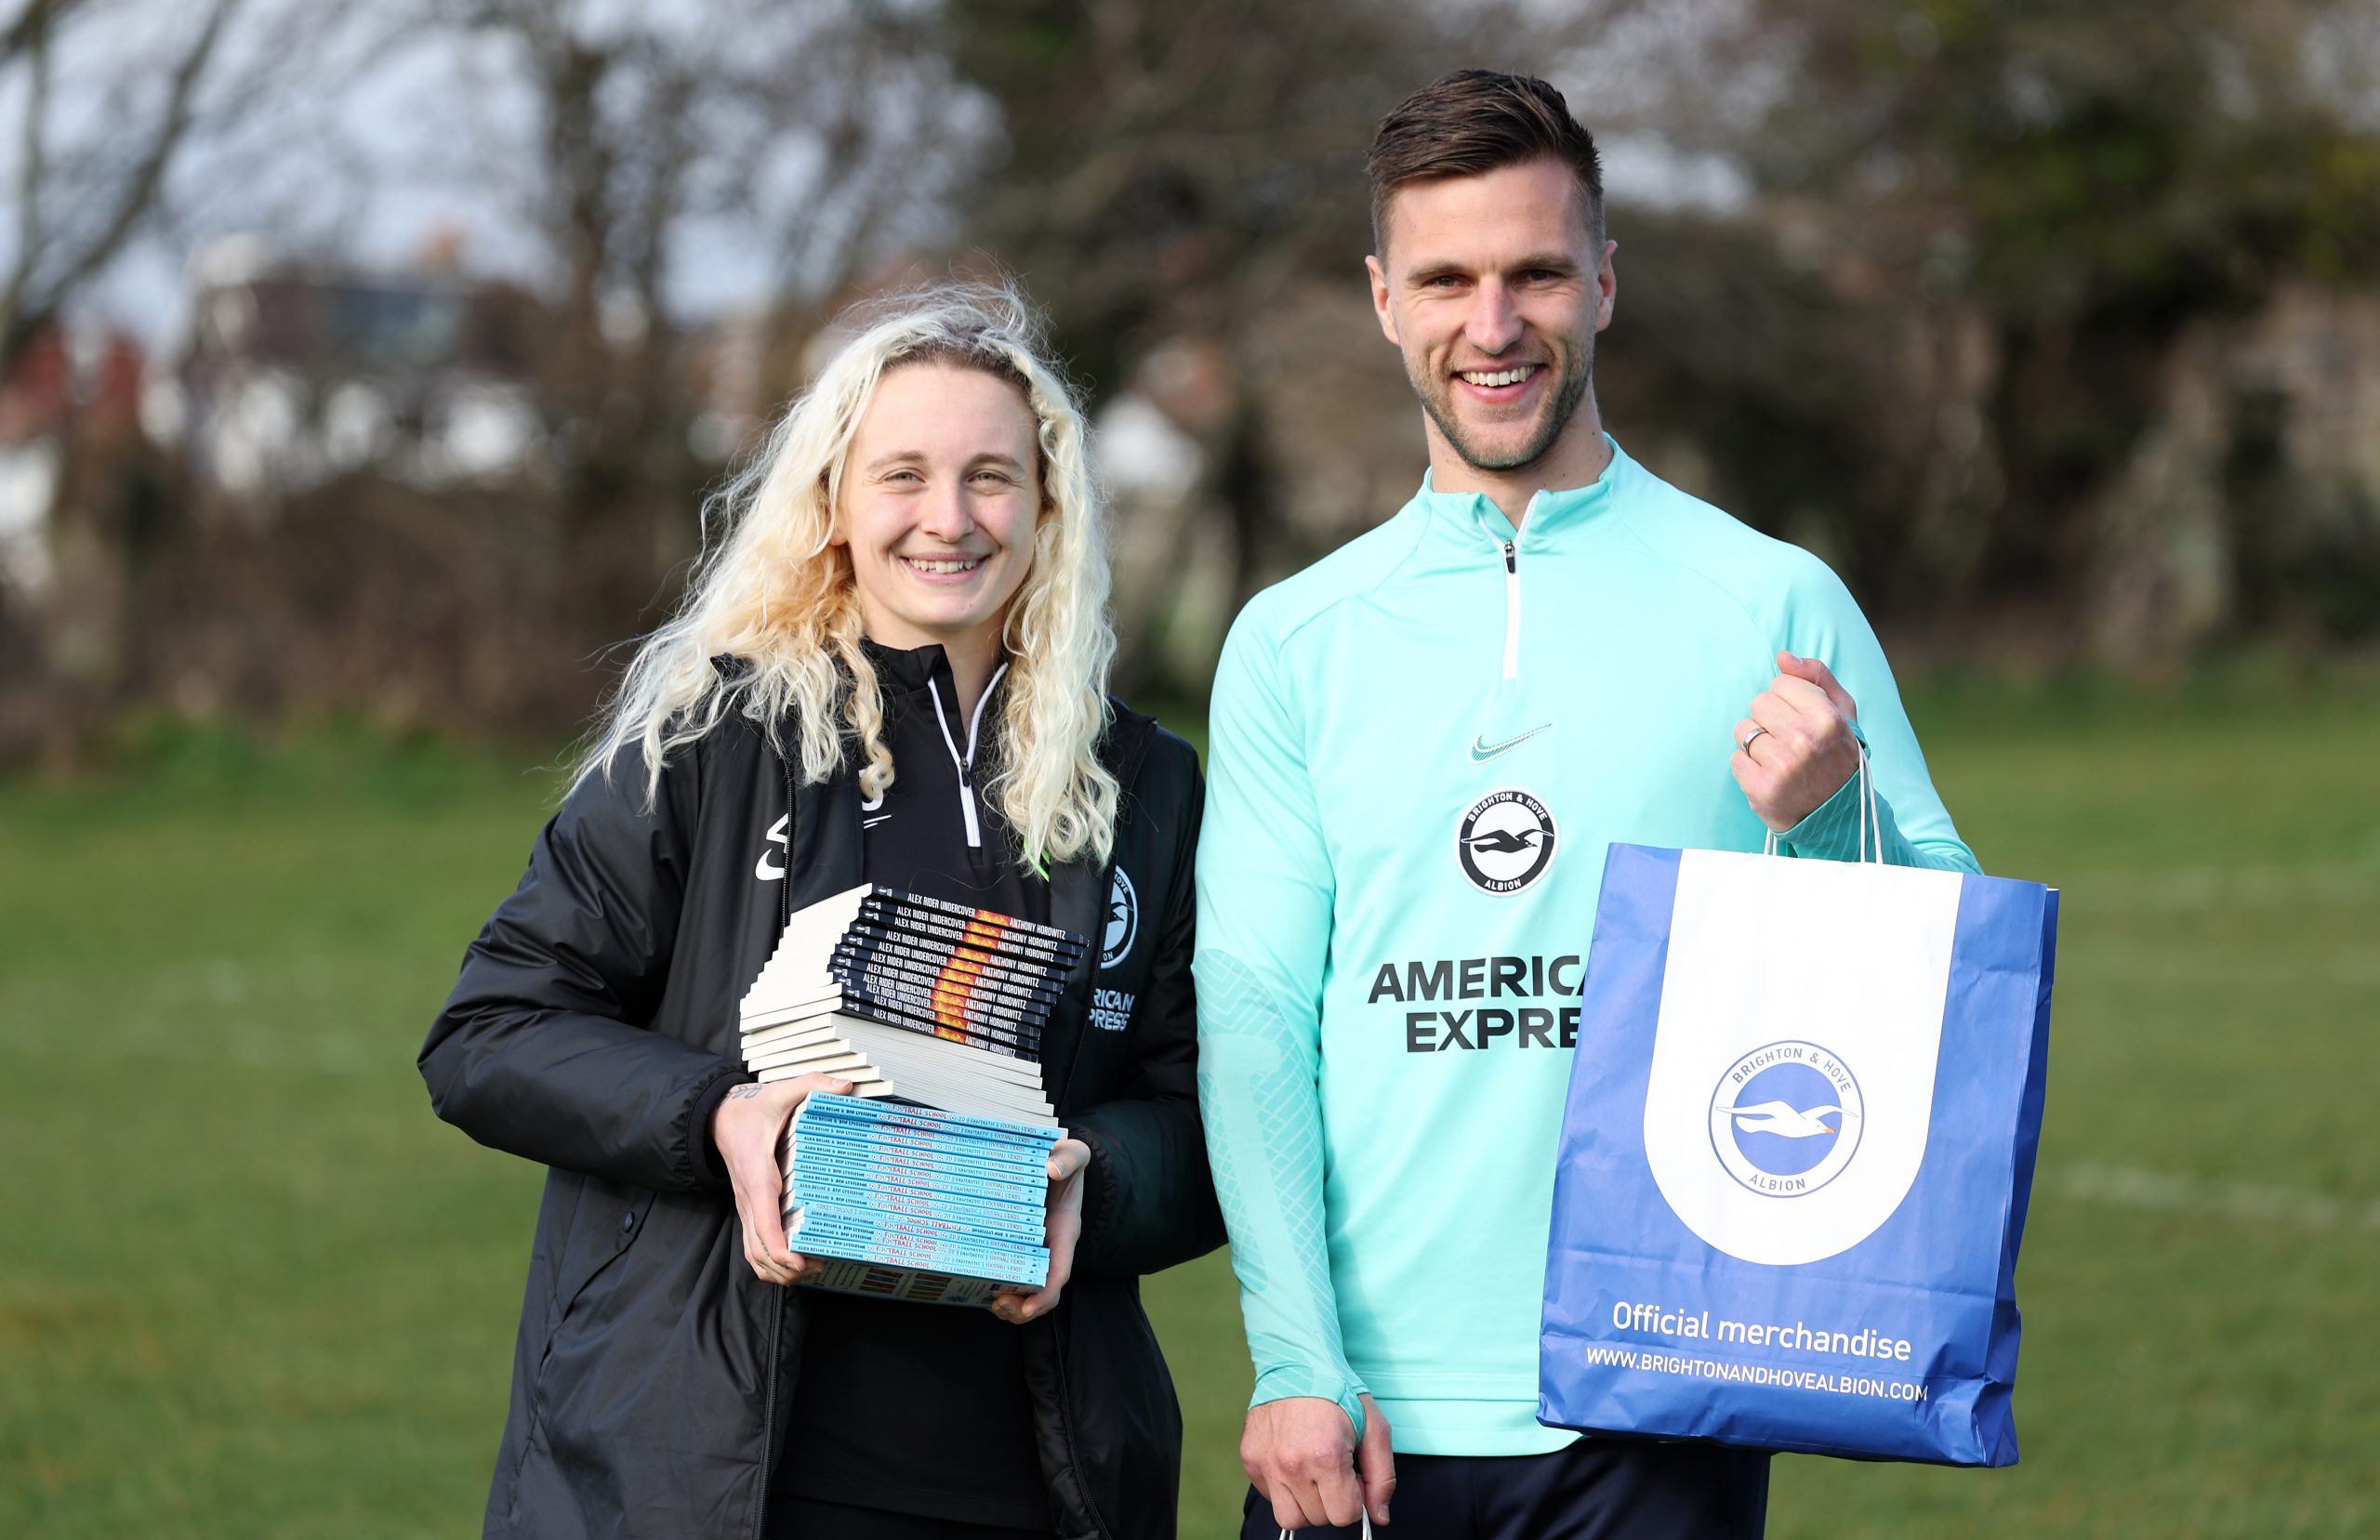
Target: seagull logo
1504,841
1782,1117
1123,920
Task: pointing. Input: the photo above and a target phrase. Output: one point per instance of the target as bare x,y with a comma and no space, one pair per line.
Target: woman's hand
1062,1227
749,1128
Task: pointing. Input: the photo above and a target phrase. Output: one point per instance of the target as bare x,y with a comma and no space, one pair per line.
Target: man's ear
1378,276
1606,286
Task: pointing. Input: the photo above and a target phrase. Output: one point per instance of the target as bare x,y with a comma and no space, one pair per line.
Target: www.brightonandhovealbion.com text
1796,1337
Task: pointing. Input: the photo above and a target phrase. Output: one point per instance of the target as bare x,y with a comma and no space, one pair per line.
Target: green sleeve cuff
1290,1381
1832,830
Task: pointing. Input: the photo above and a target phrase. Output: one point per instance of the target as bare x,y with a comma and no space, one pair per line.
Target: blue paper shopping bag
1796,1156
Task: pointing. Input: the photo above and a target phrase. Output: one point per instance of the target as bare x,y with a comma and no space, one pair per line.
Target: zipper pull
1511,613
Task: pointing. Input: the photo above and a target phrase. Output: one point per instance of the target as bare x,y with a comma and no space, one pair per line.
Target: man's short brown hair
1473,122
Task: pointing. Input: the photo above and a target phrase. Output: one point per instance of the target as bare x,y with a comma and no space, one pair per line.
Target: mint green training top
1389,957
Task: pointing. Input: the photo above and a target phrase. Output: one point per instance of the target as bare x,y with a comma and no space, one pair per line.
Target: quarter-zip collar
1553,514
1470,525
911,673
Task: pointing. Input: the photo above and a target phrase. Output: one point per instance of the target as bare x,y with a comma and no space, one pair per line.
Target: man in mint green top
1420,748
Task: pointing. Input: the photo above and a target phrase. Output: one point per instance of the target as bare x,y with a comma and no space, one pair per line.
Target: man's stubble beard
1437,393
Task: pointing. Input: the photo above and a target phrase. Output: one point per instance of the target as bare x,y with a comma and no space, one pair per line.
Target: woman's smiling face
941,495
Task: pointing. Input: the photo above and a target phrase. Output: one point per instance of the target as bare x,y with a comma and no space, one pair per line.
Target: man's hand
749,1128
1302,1453
1061,1227
1796,749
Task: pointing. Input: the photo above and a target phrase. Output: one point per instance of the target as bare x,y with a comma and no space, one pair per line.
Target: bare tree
81,200
791,140
1190,172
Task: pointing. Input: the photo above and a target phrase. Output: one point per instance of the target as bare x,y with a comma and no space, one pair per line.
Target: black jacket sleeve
542,1049
1148,1201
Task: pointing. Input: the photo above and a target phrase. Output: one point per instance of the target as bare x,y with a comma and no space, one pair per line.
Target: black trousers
1598,1488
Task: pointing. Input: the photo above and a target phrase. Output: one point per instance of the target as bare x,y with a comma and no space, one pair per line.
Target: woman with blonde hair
888,668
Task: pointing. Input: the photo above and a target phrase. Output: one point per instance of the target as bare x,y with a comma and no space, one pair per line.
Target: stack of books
928,1183
912,997
913,1202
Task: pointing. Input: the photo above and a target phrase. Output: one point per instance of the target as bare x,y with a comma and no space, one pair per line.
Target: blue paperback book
915,1203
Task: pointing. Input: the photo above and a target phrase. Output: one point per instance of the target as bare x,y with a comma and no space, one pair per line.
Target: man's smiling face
1493,289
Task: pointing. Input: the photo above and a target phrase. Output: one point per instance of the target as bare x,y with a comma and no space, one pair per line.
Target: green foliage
252,1288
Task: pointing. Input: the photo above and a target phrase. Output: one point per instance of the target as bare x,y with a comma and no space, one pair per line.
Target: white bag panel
1793,1079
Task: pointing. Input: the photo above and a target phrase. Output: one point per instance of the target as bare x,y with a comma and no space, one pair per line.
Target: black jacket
594,1022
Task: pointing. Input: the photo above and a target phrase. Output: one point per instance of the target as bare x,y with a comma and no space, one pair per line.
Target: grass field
250,1287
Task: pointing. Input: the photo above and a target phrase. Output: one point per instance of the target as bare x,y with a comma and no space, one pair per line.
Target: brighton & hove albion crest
1123,920
1504,841
1791,1094
1786,1119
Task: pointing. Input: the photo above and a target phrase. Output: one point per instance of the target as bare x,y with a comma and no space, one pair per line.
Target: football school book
950,1197
952,1250
909,1207
1005,1267
838,1233
916,1203
828,1129
1013,1164
900,1184
985,1178
891,1281
911,1166
919,1214
940,1122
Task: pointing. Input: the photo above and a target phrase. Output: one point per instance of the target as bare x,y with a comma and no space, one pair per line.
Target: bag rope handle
1293,1534
1871,822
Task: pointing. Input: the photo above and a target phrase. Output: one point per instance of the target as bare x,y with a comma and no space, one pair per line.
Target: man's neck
1576,459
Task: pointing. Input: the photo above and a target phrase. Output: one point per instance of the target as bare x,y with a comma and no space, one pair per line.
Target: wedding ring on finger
1746,744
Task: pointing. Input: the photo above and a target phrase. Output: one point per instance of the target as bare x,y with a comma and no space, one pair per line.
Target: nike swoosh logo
1482,750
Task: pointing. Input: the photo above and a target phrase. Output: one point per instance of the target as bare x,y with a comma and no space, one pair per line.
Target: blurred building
72,390
291,373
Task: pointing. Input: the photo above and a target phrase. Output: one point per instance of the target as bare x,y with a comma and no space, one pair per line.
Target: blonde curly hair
773,591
